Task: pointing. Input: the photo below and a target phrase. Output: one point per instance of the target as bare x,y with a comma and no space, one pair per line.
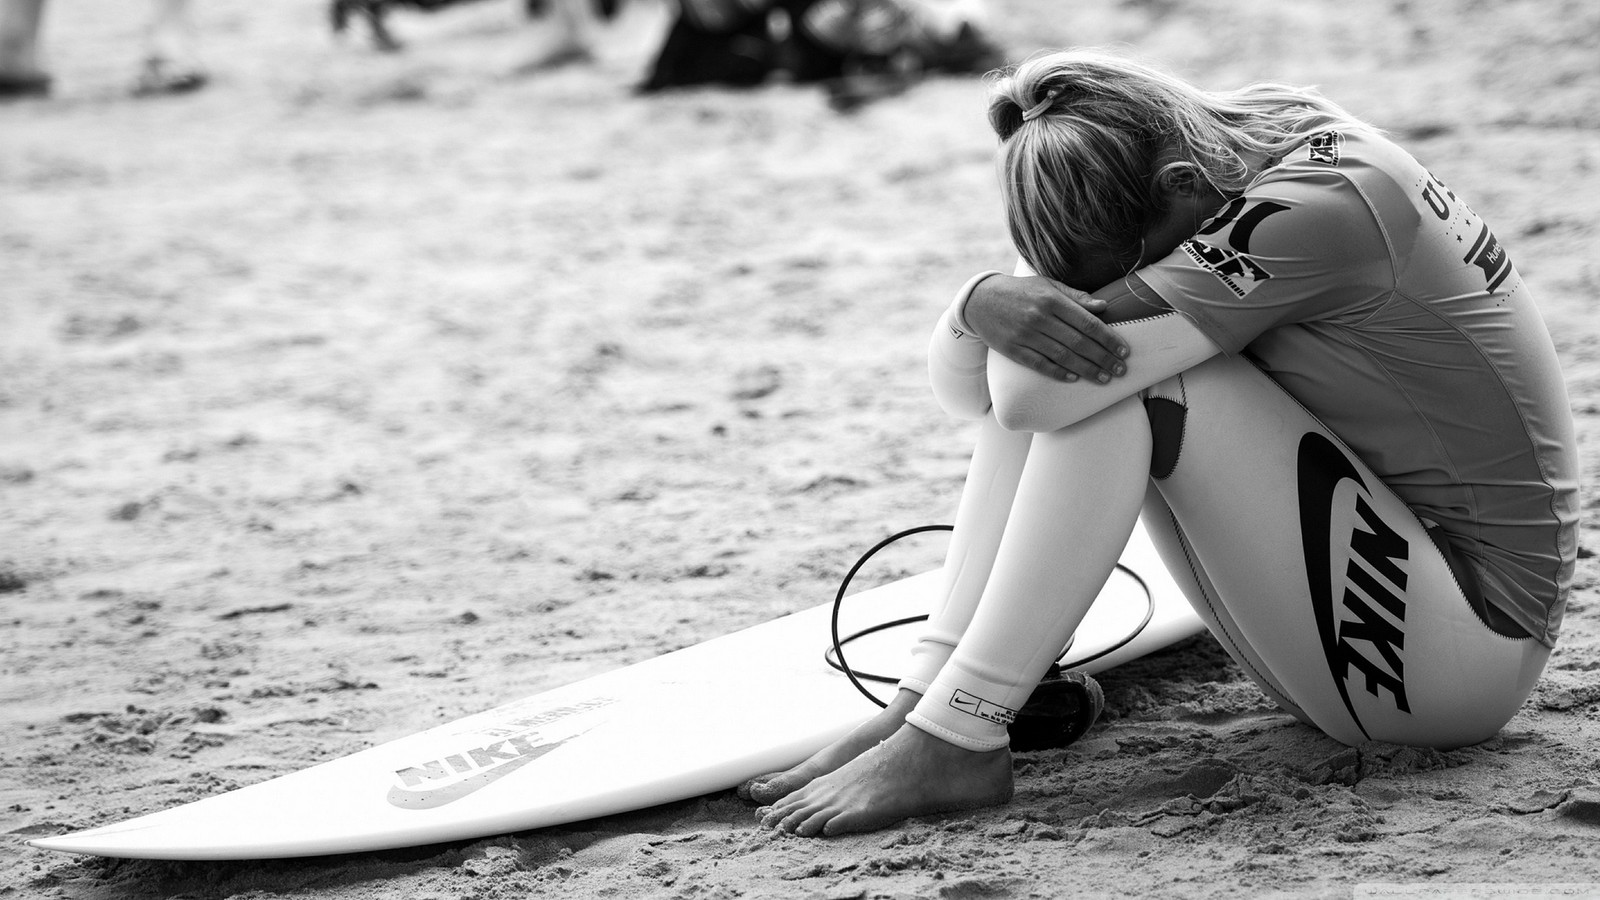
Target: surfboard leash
1059,711
834,656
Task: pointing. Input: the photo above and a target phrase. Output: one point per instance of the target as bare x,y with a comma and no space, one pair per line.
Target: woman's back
1386,306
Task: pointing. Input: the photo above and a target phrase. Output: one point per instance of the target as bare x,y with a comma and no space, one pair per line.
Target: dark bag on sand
731,42
860,50
1060,710
715,42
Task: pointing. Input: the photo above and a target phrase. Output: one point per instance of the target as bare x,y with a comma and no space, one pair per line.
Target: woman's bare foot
770,788
911,774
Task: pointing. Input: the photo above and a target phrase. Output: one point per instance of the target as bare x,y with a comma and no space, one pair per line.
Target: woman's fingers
1093,353
1046,326
1076,341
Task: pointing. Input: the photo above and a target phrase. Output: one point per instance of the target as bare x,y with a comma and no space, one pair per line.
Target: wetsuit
1360,442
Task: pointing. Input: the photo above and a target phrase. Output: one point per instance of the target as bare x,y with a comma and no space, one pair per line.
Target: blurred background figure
859,49
567,33
376,14
170,63
726,42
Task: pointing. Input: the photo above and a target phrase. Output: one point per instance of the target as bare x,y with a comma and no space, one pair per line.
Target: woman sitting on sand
1307,362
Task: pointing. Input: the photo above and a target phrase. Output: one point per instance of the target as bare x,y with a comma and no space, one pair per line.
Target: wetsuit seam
1559,593
1239,655
1395,293
1441,450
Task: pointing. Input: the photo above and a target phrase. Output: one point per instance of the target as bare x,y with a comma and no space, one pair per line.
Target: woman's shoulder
1358,157
1360,176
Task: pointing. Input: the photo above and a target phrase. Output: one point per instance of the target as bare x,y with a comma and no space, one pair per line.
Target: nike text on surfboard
436,782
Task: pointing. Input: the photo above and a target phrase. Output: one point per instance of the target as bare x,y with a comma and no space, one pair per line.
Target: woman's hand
1047,327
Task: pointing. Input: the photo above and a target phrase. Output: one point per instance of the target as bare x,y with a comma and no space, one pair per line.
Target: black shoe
1061,709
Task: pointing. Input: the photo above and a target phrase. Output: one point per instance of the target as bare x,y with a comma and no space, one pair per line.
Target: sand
359,392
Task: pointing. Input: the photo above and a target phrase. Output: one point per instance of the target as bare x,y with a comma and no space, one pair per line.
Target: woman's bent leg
1178,556
1327,578
1075,506
986,499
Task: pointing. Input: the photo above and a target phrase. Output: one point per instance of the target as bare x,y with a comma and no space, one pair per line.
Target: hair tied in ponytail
1039,109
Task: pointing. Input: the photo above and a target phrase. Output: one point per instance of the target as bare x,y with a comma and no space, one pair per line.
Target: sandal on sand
24,84
1061,709
161,76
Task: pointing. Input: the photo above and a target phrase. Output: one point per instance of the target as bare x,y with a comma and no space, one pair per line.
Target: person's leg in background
22,72
171,63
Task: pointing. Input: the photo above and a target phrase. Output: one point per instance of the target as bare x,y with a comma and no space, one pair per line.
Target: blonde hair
1106,139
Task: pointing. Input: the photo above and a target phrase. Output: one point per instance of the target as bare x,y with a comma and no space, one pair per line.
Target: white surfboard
691,722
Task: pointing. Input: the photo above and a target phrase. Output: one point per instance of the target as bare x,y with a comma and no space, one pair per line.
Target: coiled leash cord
1070,701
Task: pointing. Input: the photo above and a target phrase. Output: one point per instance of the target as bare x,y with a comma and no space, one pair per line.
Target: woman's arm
958,360
1046,326
1040,323
968,377
1161,346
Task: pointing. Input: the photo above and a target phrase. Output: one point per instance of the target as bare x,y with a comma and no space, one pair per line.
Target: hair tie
1038,109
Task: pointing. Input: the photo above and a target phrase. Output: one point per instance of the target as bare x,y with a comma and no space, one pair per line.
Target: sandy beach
359,392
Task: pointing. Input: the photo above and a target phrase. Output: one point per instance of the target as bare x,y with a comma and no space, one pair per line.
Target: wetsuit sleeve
958,360
969,379
1159,347
1301,245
